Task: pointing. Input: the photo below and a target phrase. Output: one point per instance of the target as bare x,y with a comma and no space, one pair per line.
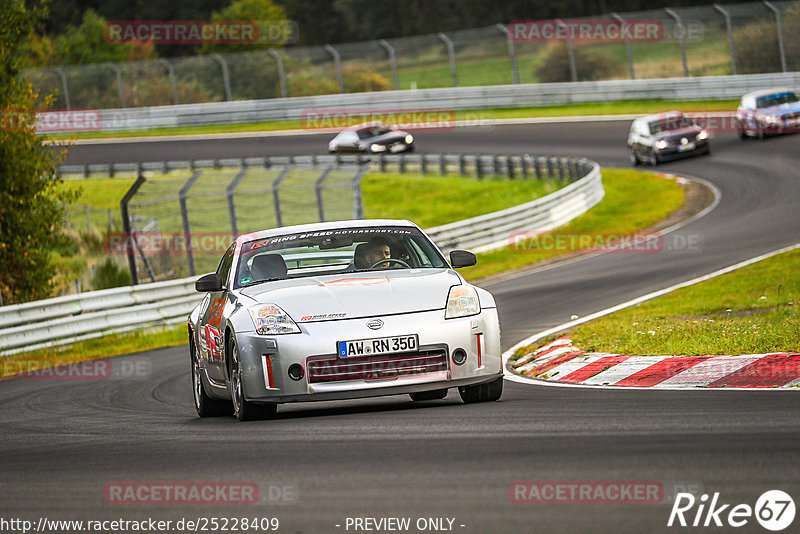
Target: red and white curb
560,361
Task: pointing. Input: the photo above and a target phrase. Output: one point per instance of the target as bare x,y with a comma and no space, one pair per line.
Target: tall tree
31,206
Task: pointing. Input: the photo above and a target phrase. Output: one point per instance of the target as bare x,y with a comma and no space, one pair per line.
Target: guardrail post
442,165
524,164
550,171
126,226
573,69
231,205
478,167
451,52
401,165
276,197
681,38
337,61
537,167
628,47
423,167
64,86
510,167
382,163
187,231
779,28
392,62
358,199
512,53
226,79
731,45
118,73
281,72
318,189
462,165
172,80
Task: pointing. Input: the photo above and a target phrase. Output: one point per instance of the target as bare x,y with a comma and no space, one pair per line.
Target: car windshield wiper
256,282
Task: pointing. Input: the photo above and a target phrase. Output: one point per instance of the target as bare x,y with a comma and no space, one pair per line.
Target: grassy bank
753,310
594,108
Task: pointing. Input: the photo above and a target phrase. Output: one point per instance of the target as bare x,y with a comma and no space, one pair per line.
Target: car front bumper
266,359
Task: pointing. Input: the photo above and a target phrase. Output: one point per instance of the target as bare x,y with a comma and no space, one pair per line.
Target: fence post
172,80
231,205
281,72
573,69
226,79
63,76
358,200
118,73
451,52
110,220
628,47
126,226
779,28
512,53
187,231
318,190
276,197
392,62
88,219
731,45
681,38
337,61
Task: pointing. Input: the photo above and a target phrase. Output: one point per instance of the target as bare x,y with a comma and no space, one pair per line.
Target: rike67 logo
774,510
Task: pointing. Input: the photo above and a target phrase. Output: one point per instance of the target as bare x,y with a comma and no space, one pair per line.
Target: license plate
687,146
377,346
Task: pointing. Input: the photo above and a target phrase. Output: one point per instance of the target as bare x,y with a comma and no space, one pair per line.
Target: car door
212,328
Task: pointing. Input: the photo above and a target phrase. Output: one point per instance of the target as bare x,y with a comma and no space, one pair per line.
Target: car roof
767,92
365,126
315,227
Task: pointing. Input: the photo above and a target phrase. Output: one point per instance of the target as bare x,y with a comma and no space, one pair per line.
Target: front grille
334,369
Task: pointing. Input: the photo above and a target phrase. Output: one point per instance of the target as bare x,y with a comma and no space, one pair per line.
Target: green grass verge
93,349
595,108
753,310
634,200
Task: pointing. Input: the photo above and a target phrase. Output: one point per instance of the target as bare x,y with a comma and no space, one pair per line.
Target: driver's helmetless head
378,249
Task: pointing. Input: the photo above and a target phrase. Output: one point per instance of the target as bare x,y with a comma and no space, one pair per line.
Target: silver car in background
301,313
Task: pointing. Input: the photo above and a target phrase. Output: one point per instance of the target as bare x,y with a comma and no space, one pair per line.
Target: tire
708,149
486,392
205,405
634,158
435,394
654,160
742,134
760,132
243,409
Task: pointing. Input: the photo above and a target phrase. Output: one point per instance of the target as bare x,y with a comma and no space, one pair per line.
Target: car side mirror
208,282
462,258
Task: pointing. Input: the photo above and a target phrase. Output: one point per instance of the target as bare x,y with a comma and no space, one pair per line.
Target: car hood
689,132
783,109
363,294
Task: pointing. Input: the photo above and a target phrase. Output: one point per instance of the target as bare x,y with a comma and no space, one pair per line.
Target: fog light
459,356
296,371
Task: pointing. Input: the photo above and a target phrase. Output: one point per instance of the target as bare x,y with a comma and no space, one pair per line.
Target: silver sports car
340,310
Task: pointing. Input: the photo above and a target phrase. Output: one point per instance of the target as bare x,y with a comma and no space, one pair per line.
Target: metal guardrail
73,318
447,99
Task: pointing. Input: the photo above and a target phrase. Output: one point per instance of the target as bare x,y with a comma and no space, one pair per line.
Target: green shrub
359,79
757,45
109,275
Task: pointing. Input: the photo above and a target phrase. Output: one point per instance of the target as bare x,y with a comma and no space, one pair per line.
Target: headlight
661,144
702,135
269,319
461,302
409,139
377,148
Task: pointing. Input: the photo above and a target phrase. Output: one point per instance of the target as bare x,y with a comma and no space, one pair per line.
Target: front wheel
243,409
634,158
205,405
486,392
654,159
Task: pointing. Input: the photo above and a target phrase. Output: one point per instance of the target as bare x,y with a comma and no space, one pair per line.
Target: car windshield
672,122
777,99
373,131
335,251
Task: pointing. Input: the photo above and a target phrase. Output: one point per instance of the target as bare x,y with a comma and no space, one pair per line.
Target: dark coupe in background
372,138
768,112
664,136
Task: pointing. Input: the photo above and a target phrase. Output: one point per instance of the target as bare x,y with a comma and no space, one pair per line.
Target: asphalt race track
64,441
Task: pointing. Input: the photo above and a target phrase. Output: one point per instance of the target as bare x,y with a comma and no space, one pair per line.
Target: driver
377,249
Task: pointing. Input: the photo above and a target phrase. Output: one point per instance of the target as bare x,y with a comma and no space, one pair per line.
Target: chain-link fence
746,38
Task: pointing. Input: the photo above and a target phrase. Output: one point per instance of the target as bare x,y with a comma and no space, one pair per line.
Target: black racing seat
268,267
